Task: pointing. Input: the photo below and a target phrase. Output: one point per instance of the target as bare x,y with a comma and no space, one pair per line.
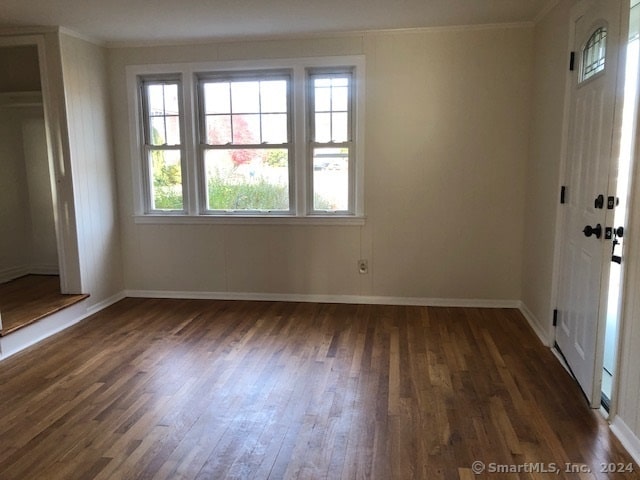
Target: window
331,140
246,142
594,53
255,140
162,145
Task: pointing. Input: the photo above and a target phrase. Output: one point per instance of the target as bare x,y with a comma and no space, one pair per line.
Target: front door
592,147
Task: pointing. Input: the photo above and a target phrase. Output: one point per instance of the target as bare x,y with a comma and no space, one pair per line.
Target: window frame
203,146
312,143
301,210
147,146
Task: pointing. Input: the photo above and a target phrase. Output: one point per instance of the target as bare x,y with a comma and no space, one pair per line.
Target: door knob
589,230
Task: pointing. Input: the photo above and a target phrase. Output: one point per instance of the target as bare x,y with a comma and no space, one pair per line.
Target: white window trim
302,211
144,150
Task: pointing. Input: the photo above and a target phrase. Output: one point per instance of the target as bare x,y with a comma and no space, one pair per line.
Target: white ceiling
142,21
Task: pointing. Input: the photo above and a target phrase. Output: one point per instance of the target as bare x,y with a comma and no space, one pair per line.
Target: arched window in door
593,54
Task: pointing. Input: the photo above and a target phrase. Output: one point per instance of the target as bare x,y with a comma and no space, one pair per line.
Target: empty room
319,240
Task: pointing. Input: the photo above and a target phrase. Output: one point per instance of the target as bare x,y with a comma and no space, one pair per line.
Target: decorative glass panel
593,55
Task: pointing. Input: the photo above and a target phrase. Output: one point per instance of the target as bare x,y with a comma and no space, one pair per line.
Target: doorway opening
614,297
38,241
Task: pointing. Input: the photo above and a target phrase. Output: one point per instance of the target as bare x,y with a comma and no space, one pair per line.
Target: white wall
43,255
28,242
14,200
447,119
543,168
91,160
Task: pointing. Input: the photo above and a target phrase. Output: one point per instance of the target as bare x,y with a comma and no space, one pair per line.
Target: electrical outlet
363,266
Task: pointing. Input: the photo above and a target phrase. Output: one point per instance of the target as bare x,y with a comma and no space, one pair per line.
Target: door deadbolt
599,201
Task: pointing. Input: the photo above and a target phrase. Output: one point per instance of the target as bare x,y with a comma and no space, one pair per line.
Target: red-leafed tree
242,135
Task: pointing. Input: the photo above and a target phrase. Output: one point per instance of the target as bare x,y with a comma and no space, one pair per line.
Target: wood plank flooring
195,389
30,298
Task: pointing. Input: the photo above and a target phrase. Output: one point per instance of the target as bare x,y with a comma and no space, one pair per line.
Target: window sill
323,220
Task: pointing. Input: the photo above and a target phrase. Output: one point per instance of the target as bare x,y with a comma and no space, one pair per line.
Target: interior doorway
37,216
625,165
28,244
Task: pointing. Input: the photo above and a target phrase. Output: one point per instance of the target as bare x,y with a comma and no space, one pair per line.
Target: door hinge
555,317
572,61
563,194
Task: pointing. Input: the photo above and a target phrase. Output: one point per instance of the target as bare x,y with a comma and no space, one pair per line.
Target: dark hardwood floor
30,298
195,389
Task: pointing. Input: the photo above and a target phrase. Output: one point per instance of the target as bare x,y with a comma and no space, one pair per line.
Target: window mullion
190,138
301,177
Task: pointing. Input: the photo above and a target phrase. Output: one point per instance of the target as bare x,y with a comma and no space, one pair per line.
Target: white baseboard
535,325
310,298
629,440
96,307
50,325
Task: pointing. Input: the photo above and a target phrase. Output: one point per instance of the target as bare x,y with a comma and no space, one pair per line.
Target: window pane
323,127
171,106
158,133
163,114
246,129
273,96
340,81
322,99
166,178
217,98
340,99
218,129
247,179
155,95
332,109
331,179
173,130
245,97
340,127
274,128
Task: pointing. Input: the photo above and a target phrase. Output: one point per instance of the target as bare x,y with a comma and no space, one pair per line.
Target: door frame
577,11
47,42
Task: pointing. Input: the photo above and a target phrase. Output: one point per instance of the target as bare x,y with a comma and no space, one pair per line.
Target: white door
591,150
